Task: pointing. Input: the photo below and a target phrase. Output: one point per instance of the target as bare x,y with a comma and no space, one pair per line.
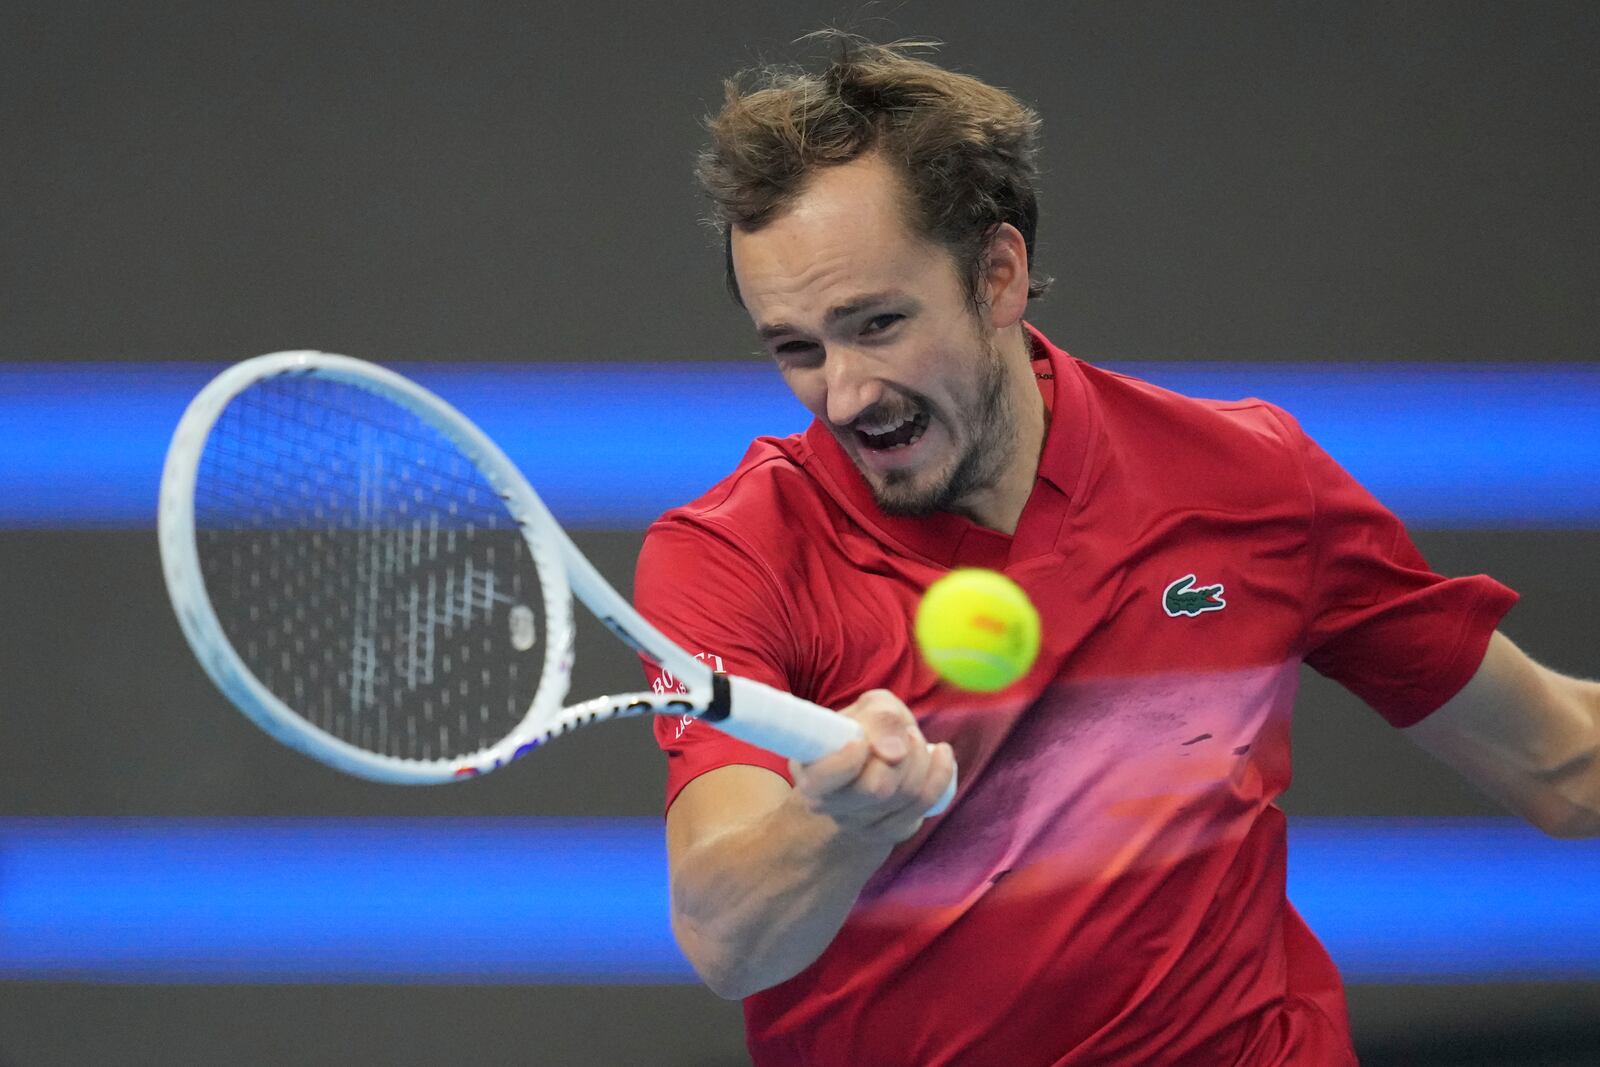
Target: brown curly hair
965,149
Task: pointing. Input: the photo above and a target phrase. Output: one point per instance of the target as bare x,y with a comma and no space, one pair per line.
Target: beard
985,433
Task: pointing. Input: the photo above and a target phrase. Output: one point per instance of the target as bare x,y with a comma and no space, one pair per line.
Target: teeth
897,434
888,427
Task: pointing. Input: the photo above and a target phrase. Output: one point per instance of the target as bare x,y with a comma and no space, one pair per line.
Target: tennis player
1108,886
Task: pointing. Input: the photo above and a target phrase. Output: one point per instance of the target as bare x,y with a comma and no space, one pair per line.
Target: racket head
239,675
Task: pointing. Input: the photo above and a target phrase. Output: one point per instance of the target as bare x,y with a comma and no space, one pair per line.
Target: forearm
1577,784
758,903
1556,784
1527,736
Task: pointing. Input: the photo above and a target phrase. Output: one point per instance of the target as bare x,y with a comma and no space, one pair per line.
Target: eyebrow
854,306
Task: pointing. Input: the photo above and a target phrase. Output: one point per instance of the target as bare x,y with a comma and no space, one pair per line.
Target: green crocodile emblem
1181,598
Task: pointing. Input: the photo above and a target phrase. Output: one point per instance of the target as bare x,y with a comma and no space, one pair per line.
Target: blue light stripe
311,900
584,901
1458,900
611,445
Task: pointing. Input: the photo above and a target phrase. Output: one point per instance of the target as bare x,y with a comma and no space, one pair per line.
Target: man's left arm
1526,736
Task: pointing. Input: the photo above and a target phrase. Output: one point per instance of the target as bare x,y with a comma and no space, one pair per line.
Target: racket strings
301,404
365,570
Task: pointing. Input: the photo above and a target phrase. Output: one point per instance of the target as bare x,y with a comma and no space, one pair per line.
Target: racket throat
721,698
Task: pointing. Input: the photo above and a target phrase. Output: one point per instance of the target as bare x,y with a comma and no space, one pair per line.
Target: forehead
844,235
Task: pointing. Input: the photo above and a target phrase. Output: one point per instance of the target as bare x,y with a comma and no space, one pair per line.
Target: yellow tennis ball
977,629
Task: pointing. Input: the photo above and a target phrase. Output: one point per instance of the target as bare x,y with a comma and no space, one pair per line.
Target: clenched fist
879,787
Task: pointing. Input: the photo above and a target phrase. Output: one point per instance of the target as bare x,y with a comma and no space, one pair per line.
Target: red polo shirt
1108,886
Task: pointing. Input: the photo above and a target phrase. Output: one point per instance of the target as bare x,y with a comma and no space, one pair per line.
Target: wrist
835,839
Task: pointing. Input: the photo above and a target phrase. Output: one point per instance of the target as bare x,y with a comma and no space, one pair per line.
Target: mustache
892,410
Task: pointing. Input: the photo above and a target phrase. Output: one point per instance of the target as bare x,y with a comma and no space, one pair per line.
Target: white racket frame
749,710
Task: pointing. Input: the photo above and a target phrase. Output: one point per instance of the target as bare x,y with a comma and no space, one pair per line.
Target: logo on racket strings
523,631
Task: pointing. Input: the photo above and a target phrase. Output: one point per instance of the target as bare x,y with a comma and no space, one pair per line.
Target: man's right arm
764,875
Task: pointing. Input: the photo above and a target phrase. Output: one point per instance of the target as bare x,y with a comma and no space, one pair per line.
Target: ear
1005,277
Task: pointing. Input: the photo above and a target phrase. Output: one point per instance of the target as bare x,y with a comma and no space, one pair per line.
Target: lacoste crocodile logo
1181,598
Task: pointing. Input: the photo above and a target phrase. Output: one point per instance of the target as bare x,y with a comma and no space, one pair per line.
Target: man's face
872,328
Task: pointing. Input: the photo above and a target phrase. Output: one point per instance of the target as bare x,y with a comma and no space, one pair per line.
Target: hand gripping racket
367,576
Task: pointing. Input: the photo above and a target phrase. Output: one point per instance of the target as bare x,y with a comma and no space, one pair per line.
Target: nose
852,385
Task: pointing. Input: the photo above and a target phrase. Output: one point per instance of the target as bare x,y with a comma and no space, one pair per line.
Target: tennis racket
369,578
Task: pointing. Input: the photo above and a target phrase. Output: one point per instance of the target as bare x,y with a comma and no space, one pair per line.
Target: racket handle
783,723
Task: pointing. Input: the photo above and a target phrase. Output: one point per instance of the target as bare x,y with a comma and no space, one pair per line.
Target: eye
796,352
880,323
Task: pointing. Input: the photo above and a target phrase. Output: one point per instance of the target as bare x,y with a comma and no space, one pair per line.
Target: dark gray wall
1254,179
1251,180
1528,1025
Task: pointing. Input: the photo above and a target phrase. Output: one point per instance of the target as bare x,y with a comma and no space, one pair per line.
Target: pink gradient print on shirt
1094,780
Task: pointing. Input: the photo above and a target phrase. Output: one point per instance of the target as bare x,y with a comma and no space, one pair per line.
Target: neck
999,507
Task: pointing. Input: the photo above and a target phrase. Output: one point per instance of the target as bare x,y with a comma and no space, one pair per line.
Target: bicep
719,801
1518,731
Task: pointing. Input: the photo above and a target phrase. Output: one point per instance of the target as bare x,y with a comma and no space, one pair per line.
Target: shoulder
734,571
757,509
743,528
1246,448
1130,402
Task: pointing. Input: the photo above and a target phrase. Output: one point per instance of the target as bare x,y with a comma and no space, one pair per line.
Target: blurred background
1380,215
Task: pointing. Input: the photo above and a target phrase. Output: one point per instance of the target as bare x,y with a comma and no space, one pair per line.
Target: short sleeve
1380,621
708,595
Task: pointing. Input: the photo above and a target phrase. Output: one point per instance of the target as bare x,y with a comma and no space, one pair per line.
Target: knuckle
902,716
882,702
888,721
879,788
934,780
881,791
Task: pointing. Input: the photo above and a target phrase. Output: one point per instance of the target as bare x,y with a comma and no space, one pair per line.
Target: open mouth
900,433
